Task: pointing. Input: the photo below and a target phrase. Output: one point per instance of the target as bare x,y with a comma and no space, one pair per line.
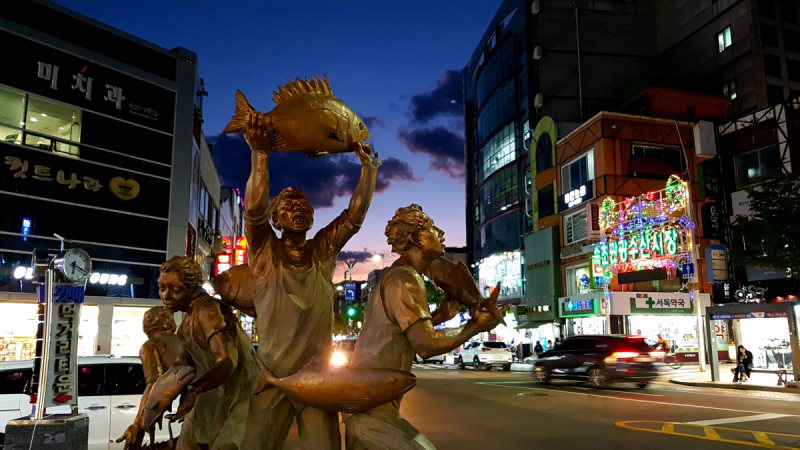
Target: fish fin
338,134
297,405
299,88
241,115
266,380
280,144
317,155
151,405
314,365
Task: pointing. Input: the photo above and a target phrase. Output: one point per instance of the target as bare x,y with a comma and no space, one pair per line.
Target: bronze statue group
232,397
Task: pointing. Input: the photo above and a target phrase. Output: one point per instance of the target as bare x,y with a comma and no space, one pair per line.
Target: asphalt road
467,409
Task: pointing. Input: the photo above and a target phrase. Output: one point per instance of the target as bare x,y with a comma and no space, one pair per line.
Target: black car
598,360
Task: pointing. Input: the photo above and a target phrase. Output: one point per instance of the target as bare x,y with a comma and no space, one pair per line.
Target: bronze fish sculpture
308,118
166,388
341,390
237,286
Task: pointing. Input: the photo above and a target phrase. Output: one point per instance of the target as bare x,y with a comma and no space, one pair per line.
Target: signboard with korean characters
576,196
717,263
661,303
54,74
62,365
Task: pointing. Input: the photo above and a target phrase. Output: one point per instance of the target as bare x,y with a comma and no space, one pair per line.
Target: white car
109,392
485,354
433,359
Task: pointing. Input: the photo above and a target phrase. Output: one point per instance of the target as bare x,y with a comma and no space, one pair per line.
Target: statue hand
133,437
447,310
492,317
363,151
259,134
187,403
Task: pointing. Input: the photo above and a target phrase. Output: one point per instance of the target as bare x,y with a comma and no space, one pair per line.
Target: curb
739,387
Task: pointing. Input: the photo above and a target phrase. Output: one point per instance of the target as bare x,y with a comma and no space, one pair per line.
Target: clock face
76,265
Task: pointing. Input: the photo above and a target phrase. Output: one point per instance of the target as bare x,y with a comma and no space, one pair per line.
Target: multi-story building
97,132
544,67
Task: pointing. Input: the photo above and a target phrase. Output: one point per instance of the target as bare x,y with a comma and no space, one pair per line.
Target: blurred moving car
109,392
599,360
342,352
485,354
433,359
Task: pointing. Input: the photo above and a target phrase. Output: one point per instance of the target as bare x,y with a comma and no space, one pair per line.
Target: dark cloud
323,179
445,100
344,255
373,121
445,148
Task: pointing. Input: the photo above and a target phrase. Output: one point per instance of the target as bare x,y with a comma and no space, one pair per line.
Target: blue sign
26,227
62,293
687,270
350,291
717,263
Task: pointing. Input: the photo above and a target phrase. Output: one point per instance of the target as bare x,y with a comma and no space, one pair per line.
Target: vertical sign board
63,313
350,291
712,216
716,263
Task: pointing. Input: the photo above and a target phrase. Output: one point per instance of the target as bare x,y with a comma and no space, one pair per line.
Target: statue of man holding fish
214,371
288,283
398,324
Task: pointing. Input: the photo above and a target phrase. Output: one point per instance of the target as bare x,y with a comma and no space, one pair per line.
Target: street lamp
379,257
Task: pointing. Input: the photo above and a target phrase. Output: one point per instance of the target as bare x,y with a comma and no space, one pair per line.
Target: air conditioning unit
535,7
538,101
537,53
705,143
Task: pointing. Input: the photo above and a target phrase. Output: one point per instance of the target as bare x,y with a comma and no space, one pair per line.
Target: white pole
694,294
41,391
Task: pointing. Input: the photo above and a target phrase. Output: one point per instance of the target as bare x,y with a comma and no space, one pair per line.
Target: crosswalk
431,366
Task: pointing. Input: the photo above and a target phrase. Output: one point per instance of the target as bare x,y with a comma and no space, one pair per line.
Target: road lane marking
617,391
710,433
628,399
767,416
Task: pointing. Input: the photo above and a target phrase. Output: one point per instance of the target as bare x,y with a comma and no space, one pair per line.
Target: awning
533,324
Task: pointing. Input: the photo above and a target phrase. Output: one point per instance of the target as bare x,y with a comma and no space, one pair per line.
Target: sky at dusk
396,64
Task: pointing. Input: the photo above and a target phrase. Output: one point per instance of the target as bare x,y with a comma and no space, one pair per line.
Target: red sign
240,253
223,262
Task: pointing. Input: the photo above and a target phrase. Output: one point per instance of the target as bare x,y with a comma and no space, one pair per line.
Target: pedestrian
538,349
663,345
549,344
745,363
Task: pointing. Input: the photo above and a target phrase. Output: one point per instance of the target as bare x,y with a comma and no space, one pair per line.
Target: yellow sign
124,189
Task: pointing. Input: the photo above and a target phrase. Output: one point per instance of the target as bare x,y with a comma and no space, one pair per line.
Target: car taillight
625,354
658,354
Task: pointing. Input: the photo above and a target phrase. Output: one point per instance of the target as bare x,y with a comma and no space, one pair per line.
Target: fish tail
266,380
241,115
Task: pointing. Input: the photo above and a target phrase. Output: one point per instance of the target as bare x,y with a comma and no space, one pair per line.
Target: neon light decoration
645,232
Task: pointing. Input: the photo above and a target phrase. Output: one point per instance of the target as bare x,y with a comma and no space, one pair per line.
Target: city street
465,409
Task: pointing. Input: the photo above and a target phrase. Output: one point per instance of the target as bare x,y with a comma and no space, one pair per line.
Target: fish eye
360,125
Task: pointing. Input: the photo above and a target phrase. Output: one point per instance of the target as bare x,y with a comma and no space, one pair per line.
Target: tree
771,233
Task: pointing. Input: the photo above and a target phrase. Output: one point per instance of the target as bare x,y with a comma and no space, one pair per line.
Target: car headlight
338,359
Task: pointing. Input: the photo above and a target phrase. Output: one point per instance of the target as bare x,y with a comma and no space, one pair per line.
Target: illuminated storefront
503,268
583,314
18,324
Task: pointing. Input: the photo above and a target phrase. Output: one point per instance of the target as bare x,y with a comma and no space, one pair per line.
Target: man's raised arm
362,196
256,197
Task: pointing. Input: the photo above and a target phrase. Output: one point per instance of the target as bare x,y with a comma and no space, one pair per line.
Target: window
769,35
493,344
500,107
500,150
499,65
577,172
648,161
766,8
791,40
729,89
789,11
724,39
774,94
91,380
39,123
578,279
130,379
14,381
793,67
772,66
478,211
575,228
546,201
500,192
757,164
544,153
205,200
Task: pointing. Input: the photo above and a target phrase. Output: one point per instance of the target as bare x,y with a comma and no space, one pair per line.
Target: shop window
575,227
577,172
546,201
753,166
654,162
724,39
729,89
45,118
12,115
579,280
544,153
127,336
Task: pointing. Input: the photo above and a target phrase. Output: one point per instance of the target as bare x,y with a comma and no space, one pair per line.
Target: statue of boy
294,291
398,325
158,355
212,340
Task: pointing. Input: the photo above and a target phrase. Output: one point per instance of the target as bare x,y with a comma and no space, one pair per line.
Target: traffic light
351,311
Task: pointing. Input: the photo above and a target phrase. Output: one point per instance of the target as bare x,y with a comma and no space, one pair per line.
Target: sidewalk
757,382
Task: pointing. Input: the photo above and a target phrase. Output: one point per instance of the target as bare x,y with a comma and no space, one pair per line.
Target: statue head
180,282
291,211
158,320
409,228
